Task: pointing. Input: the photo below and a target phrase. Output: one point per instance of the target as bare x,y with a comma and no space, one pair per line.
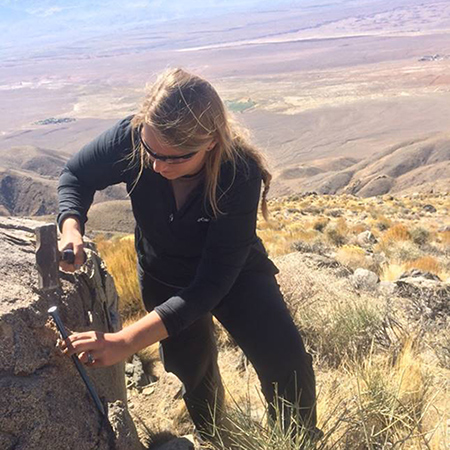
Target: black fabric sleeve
101,163
228,244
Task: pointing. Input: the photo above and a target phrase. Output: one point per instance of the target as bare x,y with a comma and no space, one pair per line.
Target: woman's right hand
71,238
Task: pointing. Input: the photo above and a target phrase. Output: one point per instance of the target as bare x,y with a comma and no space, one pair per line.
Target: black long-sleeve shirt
186,248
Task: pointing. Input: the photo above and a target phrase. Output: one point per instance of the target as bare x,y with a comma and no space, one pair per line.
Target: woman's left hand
97,349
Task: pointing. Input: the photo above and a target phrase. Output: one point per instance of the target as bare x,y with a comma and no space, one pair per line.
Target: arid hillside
29,180
421,165
367,281
415,166
320,86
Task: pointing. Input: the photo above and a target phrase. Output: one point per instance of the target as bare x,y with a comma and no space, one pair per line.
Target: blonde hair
187,112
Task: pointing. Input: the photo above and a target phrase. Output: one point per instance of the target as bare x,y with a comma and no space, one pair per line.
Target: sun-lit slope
111,216
418,165
31,190
34,159
26,194
381,358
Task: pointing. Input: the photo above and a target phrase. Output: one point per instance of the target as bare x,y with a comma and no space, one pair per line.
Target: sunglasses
167,159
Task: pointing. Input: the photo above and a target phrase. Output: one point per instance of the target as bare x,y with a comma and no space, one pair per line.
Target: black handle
68,255
53,311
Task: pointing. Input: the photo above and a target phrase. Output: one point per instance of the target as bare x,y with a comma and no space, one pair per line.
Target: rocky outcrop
43,401
428,297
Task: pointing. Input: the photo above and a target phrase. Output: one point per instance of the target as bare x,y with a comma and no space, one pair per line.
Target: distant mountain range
29,178
343,97
416,165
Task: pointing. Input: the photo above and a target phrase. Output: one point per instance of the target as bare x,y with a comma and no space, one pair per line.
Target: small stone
135,373
129,369
365,238
429,208
365,279
148,390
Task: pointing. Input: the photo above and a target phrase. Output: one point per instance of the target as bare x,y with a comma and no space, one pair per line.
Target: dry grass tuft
279,239
377,390
445,237
358,228
392,272
395,234
420,236
391,402
383,223
426,264
353,257
378,403
320,224
338,233
336,322
120,258
400,251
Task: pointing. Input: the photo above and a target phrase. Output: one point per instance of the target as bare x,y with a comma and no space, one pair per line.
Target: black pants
256,316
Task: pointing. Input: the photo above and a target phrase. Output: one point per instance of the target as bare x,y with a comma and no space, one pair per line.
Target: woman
194,184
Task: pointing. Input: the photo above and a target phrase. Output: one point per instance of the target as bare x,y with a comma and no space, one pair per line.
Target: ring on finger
90,359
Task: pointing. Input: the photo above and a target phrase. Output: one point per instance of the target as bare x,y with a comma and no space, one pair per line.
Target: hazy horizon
323,86
27,26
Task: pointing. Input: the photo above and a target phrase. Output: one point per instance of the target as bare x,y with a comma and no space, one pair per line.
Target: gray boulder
365,239
365,279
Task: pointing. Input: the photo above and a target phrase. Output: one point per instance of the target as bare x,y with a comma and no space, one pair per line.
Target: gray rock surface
428,297
43,401
387,287
419,274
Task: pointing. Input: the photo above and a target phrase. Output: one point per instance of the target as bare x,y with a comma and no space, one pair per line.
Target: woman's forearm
105,349
146,331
